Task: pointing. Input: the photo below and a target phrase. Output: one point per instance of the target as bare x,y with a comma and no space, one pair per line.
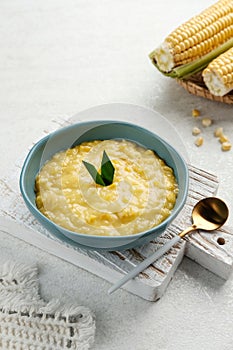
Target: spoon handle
140,267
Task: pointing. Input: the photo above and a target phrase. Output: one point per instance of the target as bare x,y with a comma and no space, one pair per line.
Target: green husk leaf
107,169
105,178
196,66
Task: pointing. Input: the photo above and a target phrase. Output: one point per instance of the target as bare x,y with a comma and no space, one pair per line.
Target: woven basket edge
201,91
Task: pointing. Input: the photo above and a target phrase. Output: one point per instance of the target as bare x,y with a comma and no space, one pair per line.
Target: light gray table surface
60,57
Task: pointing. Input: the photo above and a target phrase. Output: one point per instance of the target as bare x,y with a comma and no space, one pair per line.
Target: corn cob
197,37
218,76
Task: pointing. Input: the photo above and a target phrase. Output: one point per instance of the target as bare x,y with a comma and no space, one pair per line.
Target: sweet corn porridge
142,194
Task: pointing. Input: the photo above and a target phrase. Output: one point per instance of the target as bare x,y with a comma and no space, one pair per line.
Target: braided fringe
28,322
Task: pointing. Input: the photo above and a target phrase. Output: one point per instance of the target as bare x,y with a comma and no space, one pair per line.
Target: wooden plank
151,284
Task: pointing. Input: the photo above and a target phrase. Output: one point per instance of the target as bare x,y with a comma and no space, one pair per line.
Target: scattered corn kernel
218,132
196,131
199,141
195,113
206,122
223,138
226,146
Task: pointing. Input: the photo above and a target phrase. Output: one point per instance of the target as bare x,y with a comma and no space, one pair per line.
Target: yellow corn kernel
105,217
196,113
206,122
91,219
218,132
196,131
226,146
199,141
39,202
171,197
84,148
223,138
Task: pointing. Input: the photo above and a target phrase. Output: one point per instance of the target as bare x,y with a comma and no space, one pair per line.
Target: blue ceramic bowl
88,131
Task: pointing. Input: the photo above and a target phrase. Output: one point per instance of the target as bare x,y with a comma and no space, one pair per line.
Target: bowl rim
164,223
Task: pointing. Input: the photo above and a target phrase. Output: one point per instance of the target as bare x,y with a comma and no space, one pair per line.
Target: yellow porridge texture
142,194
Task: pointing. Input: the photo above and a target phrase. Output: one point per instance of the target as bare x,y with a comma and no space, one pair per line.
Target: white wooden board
202,247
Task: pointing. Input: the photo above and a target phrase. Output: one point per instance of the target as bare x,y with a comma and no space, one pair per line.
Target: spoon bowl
208,214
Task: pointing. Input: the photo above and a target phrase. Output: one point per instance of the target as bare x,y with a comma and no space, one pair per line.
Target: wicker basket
195,85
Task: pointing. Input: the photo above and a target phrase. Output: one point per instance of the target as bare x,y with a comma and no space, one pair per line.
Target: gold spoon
208,214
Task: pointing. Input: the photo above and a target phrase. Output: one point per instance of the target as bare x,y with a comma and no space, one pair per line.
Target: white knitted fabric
29,323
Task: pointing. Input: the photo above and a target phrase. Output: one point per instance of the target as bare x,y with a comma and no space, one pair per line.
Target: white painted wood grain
151,284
